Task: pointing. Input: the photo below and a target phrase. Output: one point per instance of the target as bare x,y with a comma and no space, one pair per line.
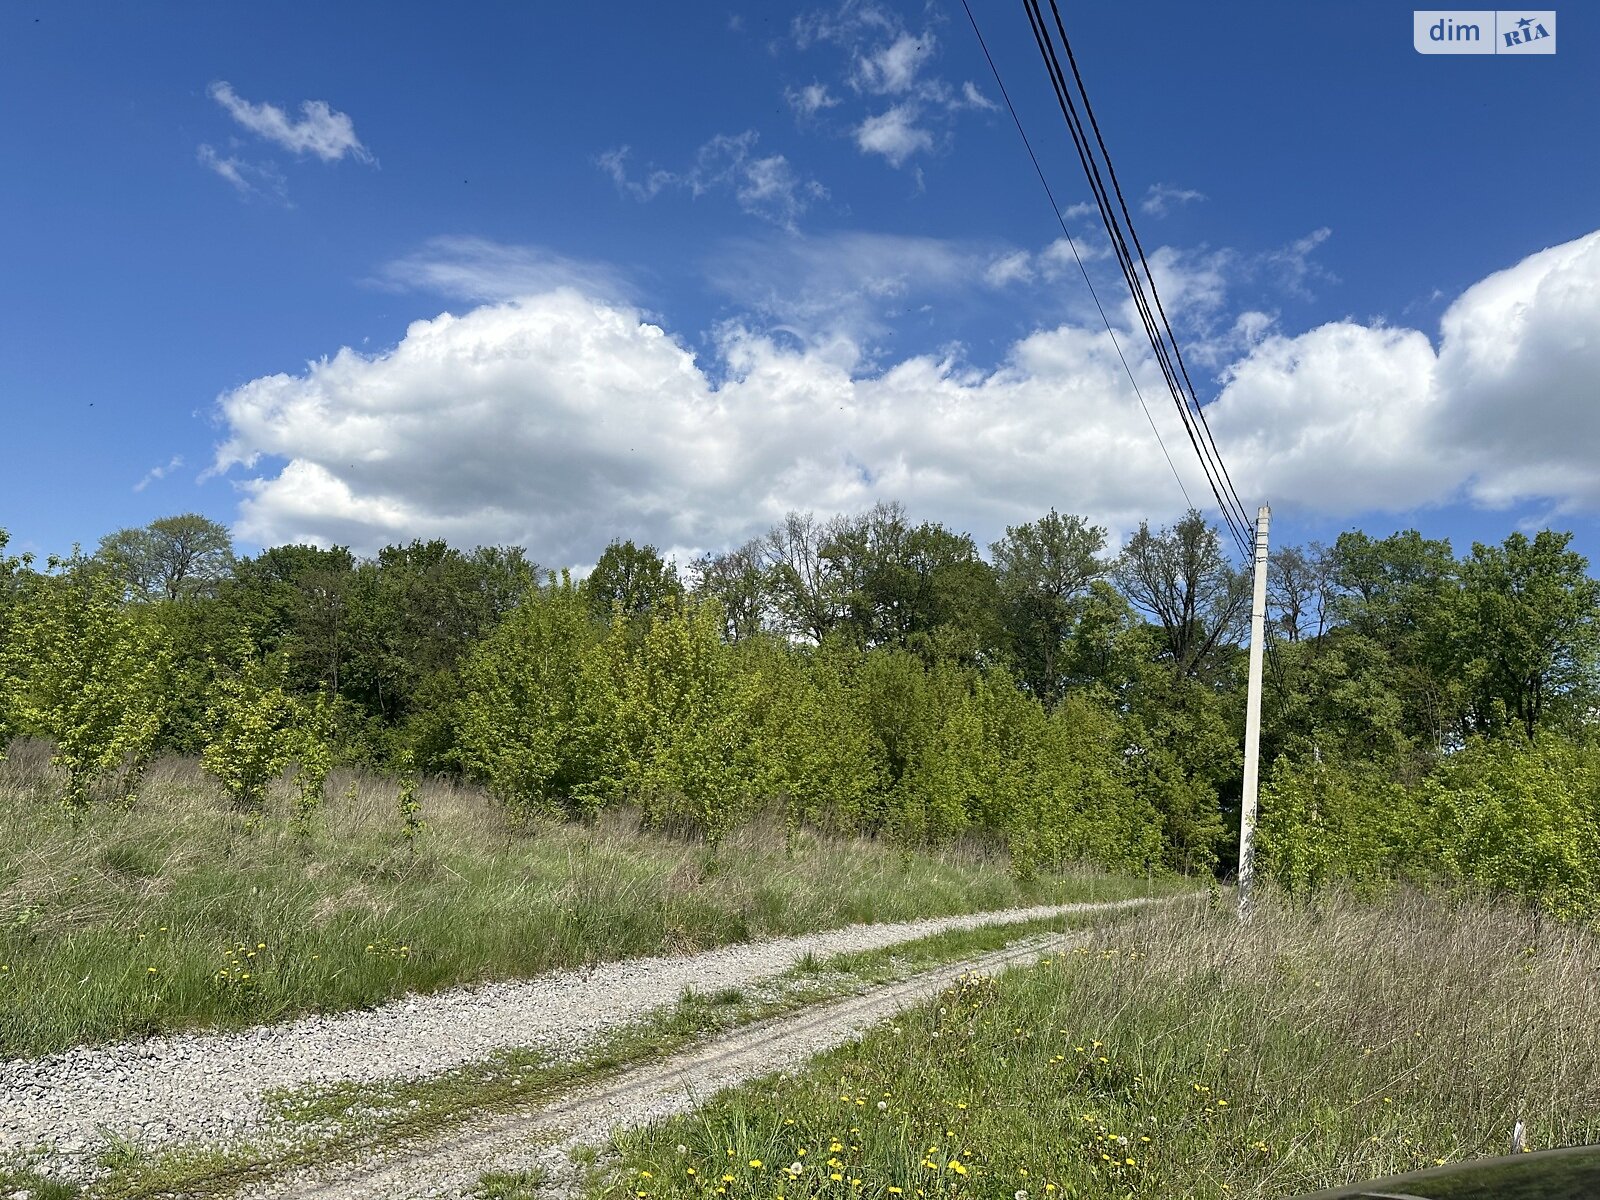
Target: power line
1177,351
1163,340
1158,330
1073,245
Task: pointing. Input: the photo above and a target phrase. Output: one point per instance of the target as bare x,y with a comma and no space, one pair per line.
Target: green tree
92,679
913,587
170,558
806,593
738,581
1398,593
16,575
633,579
681,723
1526,633
1181,577
524,726
1044,570
253,730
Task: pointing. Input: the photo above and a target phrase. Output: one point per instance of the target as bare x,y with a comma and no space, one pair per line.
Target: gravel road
450,1166
208,1086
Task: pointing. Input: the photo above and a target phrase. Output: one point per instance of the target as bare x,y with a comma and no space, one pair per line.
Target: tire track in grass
450,1166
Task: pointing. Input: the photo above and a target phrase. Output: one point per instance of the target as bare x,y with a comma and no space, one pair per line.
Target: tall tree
1527,632
736,580
1397,593
1044,570
634,579
805,591
1181,578
1300,590
916,587
170,558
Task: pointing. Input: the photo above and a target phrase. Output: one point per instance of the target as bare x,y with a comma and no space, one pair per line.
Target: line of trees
867,674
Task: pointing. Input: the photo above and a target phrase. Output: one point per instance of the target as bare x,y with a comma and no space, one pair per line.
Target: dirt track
451,1165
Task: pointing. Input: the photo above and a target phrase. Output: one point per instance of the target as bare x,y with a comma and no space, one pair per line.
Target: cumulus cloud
765,186
1015,267
811,99
560,420
892,69
883,60
894,134
320,131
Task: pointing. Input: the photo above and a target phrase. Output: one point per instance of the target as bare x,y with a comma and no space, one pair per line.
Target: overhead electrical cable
1073,246
1158,331
1177,350
1158,328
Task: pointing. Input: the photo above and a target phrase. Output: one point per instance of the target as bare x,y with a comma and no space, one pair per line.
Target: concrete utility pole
1252,718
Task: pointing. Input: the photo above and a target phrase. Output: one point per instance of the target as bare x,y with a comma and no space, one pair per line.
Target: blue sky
705,266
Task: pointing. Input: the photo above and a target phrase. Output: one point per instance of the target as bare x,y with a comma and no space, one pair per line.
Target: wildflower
894,1191
646,1175
682,1149
836,1177
150,970
755,1164
959,1167
883,1106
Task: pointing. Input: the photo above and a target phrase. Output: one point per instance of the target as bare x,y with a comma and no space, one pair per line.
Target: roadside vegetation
183,911
1180,1053
332,1123
436,765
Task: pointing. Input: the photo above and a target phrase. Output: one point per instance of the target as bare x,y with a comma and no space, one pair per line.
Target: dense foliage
1426,715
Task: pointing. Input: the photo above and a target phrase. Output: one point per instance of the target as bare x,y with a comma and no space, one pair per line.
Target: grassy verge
330,1124
1180,1056
181,913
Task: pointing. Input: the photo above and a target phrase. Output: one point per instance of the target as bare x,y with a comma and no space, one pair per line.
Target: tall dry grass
1184,1055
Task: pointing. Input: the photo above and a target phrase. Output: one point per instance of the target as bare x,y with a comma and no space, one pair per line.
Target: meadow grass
1179,1055
181,912
333,1123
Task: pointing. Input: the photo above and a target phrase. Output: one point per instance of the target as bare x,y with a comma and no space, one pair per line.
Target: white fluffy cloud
894,134
320,131
560,420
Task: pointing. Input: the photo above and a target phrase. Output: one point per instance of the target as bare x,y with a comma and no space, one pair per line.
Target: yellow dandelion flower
755,1163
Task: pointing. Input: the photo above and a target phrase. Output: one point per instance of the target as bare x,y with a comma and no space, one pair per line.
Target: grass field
183,913
1180,1056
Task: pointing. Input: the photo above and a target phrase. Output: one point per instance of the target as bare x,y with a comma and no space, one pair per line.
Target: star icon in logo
1525,22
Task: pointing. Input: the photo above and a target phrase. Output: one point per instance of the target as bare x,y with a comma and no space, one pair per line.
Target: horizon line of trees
869,673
